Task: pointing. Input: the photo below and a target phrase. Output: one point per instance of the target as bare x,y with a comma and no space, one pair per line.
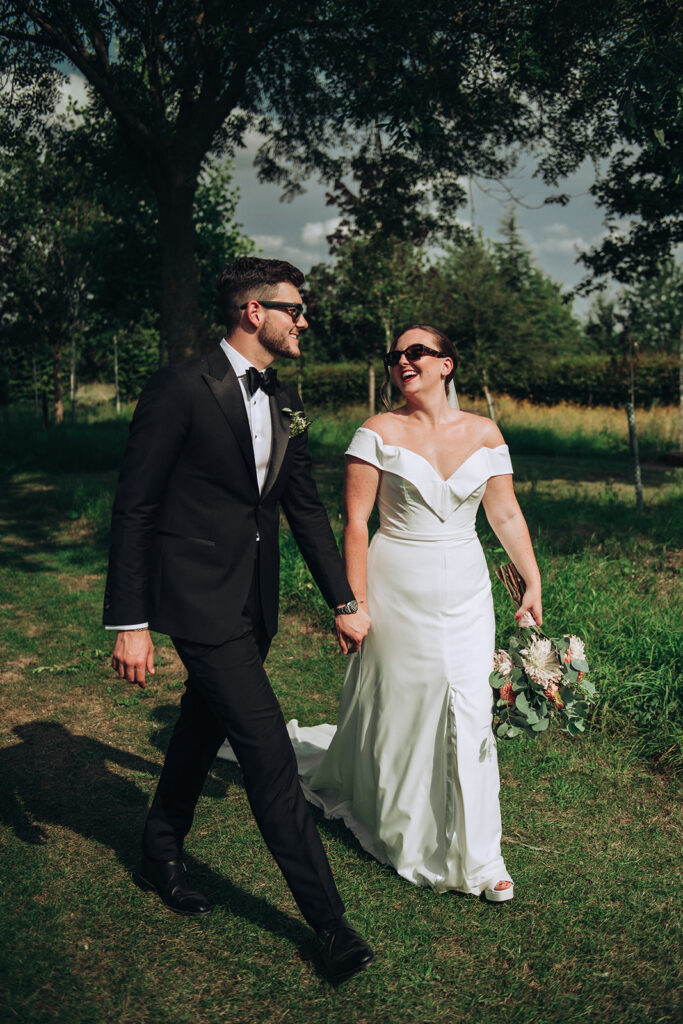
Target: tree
625,110
500,309
655,307
449,92
48,226
477,309
80,246
359,301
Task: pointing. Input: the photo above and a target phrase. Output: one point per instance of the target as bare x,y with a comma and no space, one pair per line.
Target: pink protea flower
576,649
506,693
502,662
540,662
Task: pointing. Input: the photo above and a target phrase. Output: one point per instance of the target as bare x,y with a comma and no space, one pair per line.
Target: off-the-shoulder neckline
417,455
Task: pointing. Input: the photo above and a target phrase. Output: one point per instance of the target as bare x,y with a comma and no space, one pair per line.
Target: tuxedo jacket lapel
227,391
280,424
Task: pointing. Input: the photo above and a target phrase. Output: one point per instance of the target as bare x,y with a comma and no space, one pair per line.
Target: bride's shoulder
379,424
487,433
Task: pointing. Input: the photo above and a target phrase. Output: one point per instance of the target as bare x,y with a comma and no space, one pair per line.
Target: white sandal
494,895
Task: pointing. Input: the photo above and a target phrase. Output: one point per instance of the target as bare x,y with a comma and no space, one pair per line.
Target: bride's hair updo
444,345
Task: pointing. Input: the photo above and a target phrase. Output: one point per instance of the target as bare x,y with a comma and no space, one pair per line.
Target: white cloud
269,243
74,88
555,229
316,231
564,246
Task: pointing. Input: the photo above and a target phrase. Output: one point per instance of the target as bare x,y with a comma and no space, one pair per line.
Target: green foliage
500,309
374,286
643,134
138,355
655,307
81,256
589,379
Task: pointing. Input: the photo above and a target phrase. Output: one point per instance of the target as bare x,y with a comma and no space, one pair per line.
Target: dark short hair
444,344
251,277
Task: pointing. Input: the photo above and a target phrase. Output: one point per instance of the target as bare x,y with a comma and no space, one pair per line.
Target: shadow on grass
33,512
53,776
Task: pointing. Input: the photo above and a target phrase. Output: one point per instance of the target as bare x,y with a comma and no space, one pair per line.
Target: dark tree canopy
384,92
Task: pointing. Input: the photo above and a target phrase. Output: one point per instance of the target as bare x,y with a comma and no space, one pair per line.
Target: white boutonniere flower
297,422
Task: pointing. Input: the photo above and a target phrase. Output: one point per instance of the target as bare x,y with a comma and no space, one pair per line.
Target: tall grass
564,429
610,572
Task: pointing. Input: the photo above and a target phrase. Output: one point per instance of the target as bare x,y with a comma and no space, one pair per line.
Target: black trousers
228,694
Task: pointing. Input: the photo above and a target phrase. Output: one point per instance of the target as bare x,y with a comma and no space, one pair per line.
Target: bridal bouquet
538,679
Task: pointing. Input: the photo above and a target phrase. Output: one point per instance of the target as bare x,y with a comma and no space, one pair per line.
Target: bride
411,766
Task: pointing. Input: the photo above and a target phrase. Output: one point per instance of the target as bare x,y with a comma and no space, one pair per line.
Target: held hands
351,629
530,611
133,655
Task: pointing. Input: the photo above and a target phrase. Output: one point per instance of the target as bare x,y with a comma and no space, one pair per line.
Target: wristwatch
350,608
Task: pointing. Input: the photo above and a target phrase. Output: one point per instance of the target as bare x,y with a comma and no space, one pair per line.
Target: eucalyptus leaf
541,725
580,664
522,704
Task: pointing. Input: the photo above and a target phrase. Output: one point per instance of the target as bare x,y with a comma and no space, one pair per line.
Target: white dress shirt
258,413
260,426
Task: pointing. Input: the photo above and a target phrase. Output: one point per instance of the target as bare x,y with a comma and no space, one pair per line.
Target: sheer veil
452,396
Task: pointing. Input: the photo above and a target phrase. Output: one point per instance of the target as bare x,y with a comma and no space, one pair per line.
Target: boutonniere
297,422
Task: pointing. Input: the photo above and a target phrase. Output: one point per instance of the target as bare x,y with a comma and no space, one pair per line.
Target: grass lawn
592,827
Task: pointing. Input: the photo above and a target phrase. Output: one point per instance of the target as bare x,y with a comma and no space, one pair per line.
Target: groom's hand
133,655
351,629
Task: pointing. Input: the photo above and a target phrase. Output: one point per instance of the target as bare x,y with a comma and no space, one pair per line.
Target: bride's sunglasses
412,354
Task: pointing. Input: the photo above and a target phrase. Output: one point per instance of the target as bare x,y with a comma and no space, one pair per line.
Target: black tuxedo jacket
188,509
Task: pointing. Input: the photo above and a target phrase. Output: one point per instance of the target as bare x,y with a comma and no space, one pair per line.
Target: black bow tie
266,380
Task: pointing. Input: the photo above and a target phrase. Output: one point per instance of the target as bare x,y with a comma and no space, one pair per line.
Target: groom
217,445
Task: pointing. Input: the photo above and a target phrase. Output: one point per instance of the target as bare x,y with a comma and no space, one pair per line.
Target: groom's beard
279,342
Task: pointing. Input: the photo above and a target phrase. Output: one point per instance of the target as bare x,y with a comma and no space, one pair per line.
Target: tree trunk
117,391
371,386
73,384
387,346
34,372
183,329
57,384
632,431
487,395
680,390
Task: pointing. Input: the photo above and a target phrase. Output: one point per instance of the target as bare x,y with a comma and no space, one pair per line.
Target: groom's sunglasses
412,354
295,309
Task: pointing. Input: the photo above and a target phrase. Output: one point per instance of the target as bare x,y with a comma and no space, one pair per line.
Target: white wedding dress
411,765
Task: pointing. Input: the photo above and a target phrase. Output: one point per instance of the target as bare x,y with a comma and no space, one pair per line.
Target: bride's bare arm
361,481
509,525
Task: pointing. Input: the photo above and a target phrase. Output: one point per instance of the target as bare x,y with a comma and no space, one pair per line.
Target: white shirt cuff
121,629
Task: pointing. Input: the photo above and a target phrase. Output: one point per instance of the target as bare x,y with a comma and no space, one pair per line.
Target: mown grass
592,827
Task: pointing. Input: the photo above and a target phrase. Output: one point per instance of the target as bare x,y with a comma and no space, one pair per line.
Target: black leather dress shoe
168,878
344,952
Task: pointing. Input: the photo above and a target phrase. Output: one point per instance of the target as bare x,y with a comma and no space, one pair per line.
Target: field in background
591,827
